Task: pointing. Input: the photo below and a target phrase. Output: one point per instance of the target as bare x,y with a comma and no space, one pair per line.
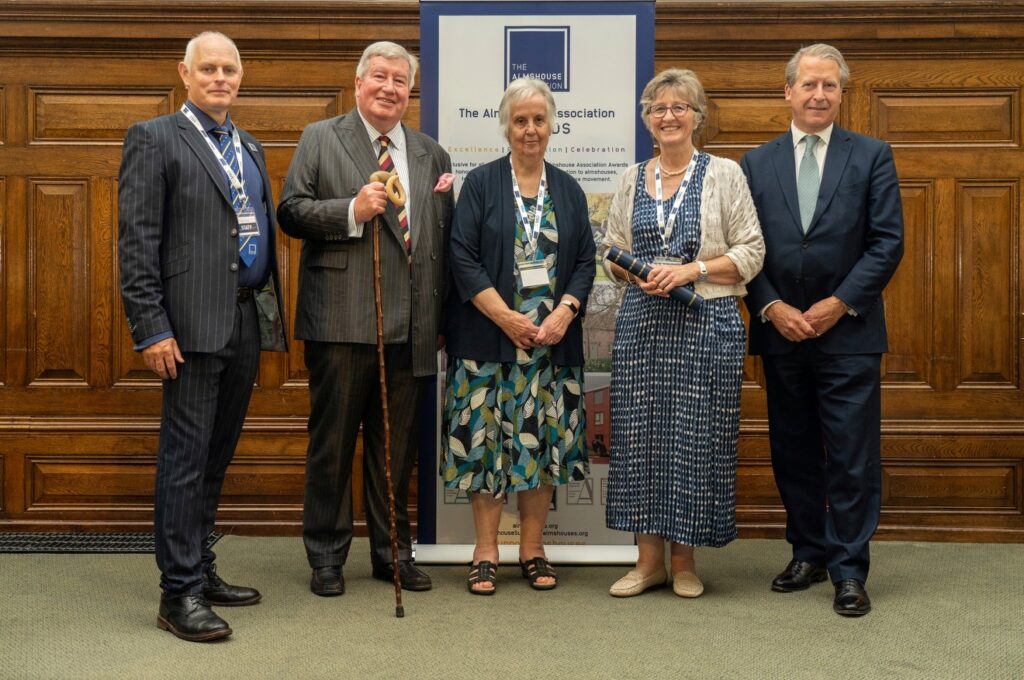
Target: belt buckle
244,294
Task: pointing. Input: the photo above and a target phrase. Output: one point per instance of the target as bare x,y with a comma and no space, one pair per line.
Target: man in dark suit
199,282
829,204
329,202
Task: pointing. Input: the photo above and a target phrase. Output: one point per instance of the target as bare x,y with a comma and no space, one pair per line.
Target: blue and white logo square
540,52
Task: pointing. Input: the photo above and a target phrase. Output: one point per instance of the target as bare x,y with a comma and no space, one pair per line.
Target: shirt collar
208,123
824,136
396,135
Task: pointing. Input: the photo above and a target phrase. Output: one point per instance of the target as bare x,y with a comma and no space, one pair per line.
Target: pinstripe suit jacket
334,159
178,255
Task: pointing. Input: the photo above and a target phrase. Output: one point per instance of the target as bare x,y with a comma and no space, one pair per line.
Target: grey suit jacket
333,161
177,249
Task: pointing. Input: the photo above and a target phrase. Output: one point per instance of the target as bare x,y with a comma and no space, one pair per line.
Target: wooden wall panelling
987,232
58,291
3,282
89,115
79,413
909,297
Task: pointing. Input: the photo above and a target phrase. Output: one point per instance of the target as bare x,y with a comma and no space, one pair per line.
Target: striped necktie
387,164
246,243
808,181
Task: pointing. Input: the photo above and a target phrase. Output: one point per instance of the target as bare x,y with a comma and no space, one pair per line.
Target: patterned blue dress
675,396
518,425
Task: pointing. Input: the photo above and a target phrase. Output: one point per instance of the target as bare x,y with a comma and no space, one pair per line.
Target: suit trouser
203,411
824,418
344,390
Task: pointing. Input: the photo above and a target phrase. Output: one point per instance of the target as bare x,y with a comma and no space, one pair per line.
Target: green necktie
808,181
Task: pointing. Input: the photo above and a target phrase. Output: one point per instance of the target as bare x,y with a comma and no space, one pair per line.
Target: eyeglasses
678,110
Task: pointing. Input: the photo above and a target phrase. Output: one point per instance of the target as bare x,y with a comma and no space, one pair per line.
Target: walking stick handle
392,186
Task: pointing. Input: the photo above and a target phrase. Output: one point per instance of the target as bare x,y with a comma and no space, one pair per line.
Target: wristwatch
703,270
572,307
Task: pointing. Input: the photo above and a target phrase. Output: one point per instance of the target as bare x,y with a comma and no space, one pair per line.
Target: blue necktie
808,181
246,243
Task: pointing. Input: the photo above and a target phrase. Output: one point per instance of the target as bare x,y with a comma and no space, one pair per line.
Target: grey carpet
941,611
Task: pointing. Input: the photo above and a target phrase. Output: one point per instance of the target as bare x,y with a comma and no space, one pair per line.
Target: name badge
247,224
666,261
533,274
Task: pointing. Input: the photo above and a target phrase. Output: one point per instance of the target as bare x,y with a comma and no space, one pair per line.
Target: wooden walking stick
396,194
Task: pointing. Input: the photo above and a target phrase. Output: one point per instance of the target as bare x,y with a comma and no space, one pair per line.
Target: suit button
433,256
234,267
435,292
233,233
805,246
440,224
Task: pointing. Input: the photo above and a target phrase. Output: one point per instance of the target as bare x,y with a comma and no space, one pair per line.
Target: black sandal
482,572
537,568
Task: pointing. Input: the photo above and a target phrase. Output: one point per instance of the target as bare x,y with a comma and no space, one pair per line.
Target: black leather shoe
408,573
190,618
327,582
221,594
851,598
798,576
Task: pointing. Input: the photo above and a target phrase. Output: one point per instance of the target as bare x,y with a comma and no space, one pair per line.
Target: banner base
509,554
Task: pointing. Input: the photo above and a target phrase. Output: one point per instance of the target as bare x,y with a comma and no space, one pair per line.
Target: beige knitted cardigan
728,224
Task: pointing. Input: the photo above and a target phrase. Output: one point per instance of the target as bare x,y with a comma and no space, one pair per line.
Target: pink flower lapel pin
444,183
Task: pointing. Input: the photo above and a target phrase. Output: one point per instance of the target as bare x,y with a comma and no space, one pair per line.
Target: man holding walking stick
329,203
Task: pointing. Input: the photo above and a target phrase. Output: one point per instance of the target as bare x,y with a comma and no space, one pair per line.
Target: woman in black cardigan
522,261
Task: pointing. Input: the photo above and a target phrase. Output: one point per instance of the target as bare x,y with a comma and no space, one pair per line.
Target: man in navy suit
829,204
199,281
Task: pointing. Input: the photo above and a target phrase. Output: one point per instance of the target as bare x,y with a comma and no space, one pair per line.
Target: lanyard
235,180
532,230
665,227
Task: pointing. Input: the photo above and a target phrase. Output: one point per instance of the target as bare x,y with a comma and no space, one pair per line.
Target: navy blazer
482,247
851,248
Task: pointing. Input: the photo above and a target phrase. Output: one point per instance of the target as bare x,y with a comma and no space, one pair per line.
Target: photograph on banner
589,63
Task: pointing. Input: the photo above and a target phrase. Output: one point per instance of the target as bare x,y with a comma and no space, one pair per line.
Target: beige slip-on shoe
634,583
687,584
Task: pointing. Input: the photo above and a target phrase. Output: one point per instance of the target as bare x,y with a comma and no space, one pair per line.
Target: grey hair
519,90
821,51
193,45
686,83
387,50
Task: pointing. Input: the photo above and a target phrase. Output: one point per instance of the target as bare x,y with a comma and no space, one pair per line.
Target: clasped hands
797,326
525,335
665,277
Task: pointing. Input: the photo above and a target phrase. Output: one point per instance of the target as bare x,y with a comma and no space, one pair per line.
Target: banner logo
540,52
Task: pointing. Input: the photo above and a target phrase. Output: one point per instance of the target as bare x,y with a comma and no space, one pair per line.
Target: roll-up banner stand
596,57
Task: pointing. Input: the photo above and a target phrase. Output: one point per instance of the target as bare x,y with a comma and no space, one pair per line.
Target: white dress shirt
399,156
820,150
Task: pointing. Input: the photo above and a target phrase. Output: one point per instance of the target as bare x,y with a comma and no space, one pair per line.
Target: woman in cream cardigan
676,370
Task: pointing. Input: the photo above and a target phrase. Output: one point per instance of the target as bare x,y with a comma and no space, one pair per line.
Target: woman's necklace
673,173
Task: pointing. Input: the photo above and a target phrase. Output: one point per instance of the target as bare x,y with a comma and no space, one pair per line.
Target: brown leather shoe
189,617
798,576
